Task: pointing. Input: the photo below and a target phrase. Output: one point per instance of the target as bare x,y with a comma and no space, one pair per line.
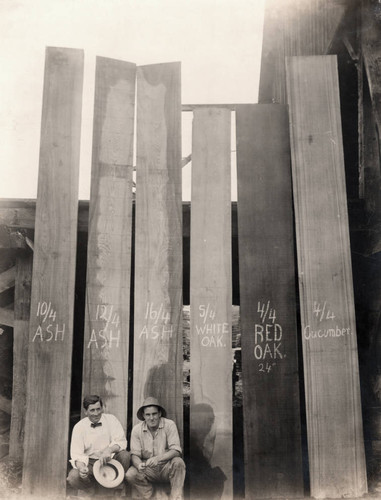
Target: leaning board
333,406
272,439
158,248
106,338
210,307
52,302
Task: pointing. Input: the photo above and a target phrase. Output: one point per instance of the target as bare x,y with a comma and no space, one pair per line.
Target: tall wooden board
52,303
158,355
333,405
272,438
106,339
23,284
210,307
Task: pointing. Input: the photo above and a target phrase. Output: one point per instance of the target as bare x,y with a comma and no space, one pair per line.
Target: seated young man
155,453
97,436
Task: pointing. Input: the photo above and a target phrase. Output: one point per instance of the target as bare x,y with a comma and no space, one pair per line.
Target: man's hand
83,471
153,462
141,467
105,456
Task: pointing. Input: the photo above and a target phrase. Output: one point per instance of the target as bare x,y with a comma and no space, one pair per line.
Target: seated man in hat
98,436
155,453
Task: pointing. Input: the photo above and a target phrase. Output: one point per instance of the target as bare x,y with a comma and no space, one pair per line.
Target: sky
218,43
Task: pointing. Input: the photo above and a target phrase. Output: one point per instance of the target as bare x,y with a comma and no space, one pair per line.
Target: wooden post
333,405
106,340
52,303
272,438
23,284
158,356
211,365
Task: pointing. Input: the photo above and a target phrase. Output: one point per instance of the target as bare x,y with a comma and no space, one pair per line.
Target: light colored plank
333,405
53,281
24,262
7,279
158,355
210,306
270,379
107,316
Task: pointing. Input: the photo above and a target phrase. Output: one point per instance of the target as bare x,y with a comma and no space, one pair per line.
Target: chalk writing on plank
157,323
109,335
211,334
267,337
322,313
48,330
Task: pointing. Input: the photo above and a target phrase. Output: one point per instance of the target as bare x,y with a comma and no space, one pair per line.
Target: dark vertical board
158,355
273,463
23,282
52,303
210,306
105,368
333,405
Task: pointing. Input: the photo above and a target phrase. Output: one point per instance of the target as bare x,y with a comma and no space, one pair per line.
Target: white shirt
89,442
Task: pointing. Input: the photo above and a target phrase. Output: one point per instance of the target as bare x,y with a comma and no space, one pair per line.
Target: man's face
152,416
94,412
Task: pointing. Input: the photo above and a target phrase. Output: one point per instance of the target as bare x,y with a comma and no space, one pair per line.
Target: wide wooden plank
210,305
158,355
294,28
272,437
52,303
24,263
333,405
107,316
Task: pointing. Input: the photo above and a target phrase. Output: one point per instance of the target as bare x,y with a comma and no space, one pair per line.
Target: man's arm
162,459
79,459
173,445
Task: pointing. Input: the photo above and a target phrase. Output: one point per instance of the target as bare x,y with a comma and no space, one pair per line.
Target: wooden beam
6,317
272,437
7,279
158,357
24,263
211,440
5,405
107,316
333,404
52,303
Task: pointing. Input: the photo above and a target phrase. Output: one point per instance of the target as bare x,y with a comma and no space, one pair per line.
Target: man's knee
73,478
124,458
177,463
131,474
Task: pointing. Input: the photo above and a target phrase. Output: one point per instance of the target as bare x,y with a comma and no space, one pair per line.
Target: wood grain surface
210,306
23,285
158,354
106,338
272,434
333,405
52,302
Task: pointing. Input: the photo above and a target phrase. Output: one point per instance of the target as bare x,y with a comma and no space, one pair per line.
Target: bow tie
96,425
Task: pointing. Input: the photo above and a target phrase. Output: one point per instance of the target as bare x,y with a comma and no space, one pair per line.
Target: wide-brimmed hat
150,402
109,475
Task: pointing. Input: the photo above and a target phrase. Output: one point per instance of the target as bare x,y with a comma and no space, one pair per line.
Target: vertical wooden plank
52,303
106,340
273,461
158,355
211,305
23,282
333,405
